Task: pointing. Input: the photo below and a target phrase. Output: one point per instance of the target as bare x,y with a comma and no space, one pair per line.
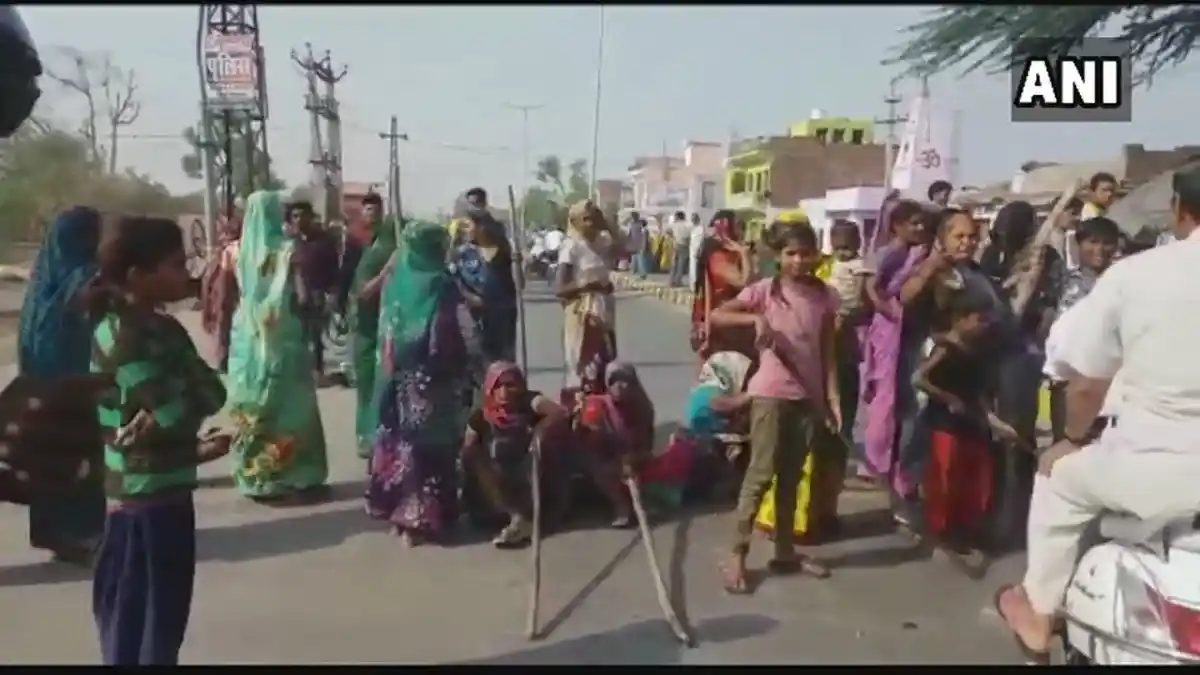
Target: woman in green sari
364,321
279,443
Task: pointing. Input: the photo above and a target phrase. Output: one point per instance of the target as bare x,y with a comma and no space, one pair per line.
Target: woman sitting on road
713,407
498,441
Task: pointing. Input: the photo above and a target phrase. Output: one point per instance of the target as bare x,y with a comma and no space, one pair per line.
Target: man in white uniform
1143,319
696,240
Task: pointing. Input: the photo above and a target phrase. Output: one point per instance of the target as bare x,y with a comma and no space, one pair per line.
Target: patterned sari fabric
279,444
55,342
429,352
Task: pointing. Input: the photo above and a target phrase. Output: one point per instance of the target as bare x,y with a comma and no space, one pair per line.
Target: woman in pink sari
892,331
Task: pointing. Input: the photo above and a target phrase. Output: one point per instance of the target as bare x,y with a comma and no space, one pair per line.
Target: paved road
326,585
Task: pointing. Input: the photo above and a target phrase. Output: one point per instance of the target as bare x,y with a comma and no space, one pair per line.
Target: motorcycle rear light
1182,621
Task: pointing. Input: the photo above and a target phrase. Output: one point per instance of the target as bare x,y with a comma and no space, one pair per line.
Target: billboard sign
231,72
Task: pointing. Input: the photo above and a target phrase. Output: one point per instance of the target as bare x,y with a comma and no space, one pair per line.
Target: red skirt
957,487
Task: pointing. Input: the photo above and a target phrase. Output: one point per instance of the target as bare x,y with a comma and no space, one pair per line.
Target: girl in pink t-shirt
795,399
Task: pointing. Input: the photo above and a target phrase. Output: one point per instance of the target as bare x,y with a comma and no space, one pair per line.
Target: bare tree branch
79,80
122,108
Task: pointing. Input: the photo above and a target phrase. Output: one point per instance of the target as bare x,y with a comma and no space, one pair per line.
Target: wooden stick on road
660,588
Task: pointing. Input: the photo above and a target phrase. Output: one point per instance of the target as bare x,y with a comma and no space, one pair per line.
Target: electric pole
525,110
892,100
393,137
233,102
326,161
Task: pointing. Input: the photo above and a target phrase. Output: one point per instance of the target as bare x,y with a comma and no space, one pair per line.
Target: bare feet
1032,631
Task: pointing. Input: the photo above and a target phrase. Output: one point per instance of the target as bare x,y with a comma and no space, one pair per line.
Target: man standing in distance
638,245
316,260
681,233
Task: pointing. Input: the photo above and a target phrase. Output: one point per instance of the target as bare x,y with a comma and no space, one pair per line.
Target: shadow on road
40,573
646,643
294,534
586,592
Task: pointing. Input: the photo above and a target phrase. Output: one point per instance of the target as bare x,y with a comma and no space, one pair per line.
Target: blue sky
670,73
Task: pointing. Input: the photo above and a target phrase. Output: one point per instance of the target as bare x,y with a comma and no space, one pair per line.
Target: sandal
623,522
1032,656
517,533
782,567
734,578
969,562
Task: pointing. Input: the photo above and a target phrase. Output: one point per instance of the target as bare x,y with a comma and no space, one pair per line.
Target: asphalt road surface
326,585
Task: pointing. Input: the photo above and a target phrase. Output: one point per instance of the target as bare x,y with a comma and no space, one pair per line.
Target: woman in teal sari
429,351
279,443
364,322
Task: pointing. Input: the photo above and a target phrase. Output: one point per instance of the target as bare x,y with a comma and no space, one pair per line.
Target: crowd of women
807,361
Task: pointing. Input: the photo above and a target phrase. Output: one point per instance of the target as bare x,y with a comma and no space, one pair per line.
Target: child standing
848,277
956,487
1097,240
145,568
794,392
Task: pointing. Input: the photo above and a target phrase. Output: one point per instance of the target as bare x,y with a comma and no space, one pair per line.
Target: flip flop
1032,656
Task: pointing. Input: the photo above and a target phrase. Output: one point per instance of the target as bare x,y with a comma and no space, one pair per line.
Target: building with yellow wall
749,179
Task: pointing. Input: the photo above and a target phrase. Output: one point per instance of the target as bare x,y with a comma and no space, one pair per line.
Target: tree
996,38
546,203
243,158
109,93
44,170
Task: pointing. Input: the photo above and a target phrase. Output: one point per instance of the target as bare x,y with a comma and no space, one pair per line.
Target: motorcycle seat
1158,535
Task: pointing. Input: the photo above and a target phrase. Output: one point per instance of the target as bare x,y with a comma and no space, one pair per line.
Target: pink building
659,186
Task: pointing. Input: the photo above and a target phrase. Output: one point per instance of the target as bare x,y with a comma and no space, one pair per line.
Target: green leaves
994,38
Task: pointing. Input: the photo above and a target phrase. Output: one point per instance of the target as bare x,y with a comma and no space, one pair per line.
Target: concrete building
851,130
780,171
659,186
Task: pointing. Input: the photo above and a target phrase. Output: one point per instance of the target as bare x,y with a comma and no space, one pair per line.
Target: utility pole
393,137
525,110
892,100
326,162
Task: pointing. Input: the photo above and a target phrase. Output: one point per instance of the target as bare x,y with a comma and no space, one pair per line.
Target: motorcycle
1134,598
543,258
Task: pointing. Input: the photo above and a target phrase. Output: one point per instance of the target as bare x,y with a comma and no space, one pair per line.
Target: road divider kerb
676,296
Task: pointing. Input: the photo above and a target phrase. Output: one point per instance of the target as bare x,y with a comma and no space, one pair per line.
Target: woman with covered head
219,293
55,342
723,270
586,291
370,274
500,435
429,352
279,444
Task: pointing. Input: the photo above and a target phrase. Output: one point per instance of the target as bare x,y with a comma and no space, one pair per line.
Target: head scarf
265,250
54,338
635,408
727,370
724,224
417,283
497,414
578,218
377,254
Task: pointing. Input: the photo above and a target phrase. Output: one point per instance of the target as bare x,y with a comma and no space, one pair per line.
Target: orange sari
710,293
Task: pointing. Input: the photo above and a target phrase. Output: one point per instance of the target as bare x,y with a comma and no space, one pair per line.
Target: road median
681,297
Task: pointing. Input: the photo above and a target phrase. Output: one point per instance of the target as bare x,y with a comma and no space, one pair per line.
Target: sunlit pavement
327,585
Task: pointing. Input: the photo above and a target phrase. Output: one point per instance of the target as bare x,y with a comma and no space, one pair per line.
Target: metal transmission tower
326,159
233,91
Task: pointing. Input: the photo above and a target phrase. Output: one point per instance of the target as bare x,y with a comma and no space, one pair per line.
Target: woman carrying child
146,565
956,487
511,422
795,394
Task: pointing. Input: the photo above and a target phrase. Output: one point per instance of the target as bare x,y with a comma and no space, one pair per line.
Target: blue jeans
912,437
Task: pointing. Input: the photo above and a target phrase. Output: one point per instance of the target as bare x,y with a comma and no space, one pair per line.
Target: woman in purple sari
886,399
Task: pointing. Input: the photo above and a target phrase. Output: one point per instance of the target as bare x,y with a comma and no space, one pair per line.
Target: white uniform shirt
1062,333
682,231
1143,319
